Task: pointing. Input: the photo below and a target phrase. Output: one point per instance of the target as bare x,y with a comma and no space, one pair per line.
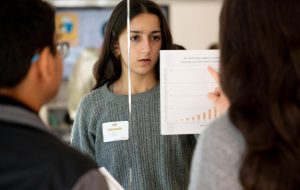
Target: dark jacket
32,158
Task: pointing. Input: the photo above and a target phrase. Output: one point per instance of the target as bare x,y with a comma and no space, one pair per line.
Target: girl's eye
134,38
156,38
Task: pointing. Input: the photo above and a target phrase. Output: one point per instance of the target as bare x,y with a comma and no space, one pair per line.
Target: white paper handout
112,183
185,83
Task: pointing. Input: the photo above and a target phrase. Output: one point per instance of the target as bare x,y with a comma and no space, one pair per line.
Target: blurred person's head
178,47
213,46
28,59
109,66
260,74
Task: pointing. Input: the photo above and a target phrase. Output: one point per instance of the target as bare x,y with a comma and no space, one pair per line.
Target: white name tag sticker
115,131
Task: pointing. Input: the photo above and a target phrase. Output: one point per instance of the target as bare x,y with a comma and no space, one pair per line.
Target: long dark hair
260,74
108,67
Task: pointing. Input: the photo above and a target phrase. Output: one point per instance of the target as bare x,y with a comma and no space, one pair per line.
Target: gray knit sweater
217,157
157,162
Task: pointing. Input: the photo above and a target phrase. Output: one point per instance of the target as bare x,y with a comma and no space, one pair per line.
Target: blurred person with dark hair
178,47
214,46
30,74
255,145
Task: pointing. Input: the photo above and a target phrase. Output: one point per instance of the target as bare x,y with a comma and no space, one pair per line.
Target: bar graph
199,118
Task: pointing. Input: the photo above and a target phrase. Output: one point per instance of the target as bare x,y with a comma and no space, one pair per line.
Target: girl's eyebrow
158,31
137,31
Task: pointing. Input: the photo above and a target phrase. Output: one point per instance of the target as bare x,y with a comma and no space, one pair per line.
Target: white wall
195,24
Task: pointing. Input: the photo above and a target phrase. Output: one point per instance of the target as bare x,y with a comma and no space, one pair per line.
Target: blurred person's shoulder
46,157
224,135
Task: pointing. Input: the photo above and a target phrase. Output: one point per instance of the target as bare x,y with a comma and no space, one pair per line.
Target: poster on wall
67,27
83,29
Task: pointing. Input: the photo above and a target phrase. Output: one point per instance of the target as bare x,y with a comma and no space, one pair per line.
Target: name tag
115,131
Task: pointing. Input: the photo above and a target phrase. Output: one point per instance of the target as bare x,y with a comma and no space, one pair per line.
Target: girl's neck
138,84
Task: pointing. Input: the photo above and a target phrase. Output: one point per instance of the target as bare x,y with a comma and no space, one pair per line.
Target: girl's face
145,43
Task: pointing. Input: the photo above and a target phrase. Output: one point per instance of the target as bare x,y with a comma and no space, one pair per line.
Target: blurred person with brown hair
255,145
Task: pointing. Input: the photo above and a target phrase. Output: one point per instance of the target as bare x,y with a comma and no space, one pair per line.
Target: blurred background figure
81,80
214,46
178,47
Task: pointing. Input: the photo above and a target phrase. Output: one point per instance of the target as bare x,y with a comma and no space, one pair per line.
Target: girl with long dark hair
157,162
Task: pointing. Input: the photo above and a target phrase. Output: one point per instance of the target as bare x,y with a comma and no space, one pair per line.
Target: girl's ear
116,45
117,49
